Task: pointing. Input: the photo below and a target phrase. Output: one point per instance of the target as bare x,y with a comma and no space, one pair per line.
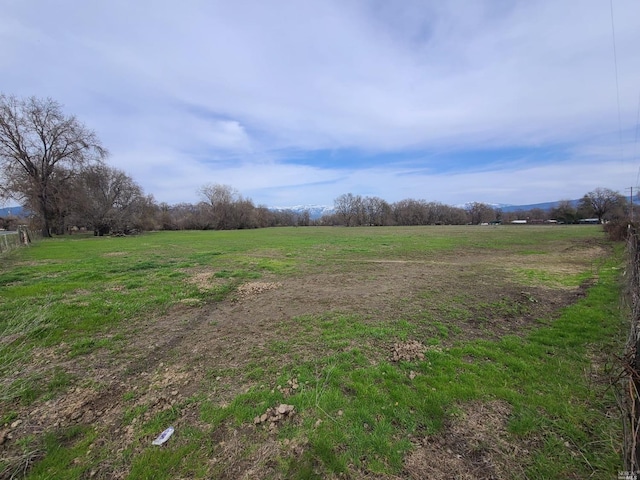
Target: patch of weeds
184,456
160,421
137,267
203,258
339,330
84,346
65,451
503,308
275,266
455,312
25,389
240,274
220,292
28,388
134,284
8,417
443,329
135,412
530,276
280,346
243,409
213,413
256,373
59,381
8,278
129,396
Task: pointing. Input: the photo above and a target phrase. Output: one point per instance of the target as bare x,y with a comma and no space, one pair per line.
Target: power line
615,62
635,144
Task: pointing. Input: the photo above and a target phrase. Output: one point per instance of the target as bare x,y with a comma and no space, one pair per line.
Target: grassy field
422,352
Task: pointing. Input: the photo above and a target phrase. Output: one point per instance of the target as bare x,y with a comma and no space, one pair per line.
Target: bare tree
347,207
603,203
109,200
376,210
480,213
221,199
36,140
410,212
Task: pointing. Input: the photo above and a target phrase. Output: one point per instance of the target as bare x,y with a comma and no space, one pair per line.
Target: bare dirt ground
166,359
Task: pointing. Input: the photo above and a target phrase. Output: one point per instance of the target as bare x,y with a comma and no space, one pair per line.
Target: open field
422,352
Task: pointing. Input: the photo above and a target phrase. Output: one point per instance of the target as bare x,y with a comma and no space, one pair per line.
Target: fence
11,240
628,386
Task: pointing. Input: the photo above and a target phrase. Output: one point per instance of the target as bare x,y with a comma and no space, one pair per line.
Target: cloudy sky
299,101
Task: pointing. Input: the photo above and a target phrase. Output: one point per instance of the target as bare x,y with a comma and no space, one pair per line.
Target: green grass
355,408
540,375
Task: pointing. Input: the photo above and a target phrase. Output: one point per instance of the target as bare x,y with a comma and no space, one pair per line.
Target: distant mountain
541,206
11,212
502,206
315,211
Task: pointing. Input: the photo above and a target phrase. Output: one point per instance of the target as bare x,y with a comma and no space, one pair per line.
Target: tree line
55,167
354,210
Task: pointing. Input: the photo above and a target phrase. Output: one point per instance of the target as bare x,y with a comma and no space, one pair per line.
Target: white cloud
224,91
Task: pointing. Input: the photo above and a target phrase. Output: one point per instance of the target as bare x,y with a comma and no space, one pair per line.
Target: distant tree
145,214
264,217
376,211
538,214
604,203
107,199
187,216
242,214
37,140
410,212
347,208
304,219
480,213
165,217
453,215
564,212
220,199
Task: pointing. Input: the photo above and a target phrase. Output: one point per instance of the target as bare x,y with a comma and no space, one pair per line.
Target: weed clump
618,231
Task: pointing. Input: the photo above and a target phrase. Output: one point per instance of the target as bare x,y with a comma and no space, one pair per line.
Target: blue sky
298,102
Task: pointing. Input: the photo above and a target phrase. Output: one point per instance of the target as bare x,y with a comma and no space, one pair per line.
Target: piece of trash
163,437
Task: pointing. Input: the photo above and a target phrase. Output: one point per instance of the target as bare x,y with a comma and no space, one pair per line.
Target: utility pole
631,202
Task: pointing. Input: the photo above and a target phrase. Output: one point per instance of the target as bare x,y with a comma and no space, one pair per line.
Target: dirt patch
408,351
256,288
205,281
474,445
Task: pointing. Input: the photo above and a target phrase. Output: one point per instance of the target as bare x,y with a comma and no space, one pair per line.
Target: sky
297,102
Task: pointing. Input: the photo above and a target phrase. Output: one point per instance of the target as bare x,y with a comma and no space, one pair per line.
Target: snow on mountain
506,207
12,212
502,206
315,211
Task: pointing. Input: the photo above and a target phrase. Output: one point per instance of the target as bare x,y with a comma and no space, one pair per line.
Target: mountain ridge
316,211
